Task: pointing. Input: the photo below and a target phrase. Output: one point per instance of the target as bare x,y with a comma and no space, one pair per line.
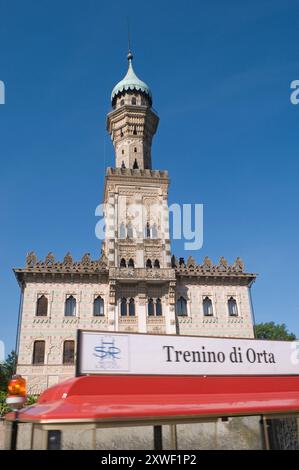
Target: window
70,307
135,132
150,307
158,307
232,307
42,306
122,102
132,307
131,263
123,307
154,231
38,352
130,231
133,100
98,307
148,231
156,263
207,307
181,307
148,264
122,152
122,231
68,352
135,149
123,263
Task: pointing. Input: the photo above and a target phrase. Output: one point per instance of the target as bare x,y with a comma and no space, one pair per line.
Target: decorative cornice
162,274
129,172
67,267
208,269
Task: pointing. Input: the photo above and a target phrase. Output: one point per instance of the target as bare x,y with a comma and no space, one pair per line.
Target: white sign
109,352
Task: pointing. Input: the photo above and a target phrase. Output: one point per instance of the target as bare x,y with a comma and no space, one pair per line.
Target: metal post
173,437
266,433
158,445
14,432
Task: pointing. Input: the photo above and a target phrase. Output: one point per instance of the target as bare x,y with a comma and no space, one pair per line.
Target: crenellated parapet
130,172
208,268
50,264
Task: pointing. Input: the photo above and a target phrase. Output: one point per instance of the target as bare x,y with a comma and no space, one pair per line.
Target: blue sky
220,74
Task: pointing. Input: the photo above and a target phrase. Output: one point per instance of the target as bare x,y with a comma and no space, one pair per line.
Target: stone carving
191,263
67,265
50,260
112,292
31,259
238,265
171,293
68,260
142,273
222,264
208,268
207,263
86,259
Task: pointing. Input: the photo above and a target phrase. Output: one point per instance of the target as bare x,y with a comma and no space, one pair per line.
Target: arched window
123,307
38,352
157,264
154,231
132,308
70,307
148,231
123,263
122,102
232,307
122,231
68,352
130,231
135,165
131,263
98,307
181,307
42,306
135,131
148,264
207,307
158,307
150,307
133,100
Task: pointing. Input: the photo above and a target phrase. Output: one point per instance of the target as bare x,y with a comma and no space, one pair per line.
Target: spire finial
130,55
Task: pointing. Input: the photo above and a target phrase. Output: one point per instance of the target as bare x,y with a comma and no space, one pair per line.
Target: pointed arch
148,264
42,306
98,307
232,307
70,306
181,307
207,307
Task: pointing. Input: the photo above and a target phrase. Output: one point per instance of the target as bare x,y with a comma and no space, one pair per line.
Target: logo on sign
109,354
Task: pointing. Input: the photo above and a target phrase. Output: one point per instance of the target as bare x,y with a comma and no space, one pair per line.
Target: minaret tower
132,123
137,244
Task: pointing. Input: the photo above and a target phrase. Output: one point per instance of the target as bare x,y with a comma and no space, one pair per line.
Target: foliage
7,369
274,331
4,408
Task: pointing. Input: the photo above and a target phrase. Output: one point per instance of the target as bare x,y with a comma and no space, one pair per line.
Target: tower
137,244
132,122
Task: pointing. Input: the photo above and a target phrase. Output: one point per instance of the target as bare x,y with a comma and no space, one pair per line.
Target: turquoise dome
130,82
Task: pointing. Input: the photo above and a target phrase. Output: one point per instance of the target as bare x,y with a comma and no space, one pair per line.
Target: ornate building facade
135,285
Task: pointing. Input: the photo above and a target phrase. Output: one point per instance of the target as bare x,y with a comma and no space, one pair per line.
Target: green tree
271,330
7,369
